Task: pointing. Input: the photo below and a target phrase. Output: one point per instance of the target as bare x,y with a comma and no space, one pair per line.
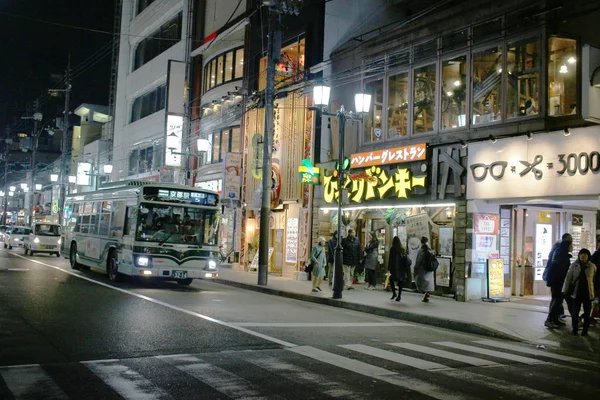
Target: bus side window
130,221
117,220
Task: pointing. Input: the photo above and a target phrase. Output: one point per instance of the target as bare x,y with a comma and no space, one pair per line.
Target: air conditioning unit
590,82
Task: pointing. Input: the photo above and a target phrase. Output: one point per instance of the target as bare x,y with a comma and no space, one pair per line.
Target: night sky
32,51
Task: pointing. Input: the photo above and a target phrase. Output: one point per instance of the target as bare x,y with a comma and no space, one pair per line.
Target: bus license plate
179,274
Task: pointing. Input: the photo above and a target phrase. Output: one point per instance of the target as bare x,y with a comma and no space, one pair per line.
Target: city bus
143,229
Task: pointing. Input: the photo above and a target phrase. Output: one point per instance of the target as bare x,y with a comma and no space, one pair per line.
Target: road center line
162,303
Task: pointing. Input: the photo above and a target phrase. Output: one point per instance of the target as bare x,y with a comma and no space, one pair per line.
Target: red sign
487,224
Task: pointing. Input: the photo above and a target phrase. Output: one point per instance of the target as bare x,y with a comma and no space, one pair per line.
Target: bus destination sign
183,196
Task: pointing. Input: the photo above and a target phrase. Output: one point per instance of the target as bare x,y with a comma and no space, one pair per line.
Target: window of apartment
141,160
487,86
290,66
163,39
373,130
424,99
562,76
224,68
223,141
143,4
148,103
523,76
454,90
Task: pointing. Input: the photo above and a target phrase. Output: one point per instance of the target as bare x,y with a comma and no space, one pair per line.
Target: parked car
14,236
2,230
43,238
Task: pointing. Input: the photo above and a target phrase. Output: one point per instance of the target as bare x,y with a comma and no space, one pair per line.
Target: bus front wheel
112,267
184,282
73,257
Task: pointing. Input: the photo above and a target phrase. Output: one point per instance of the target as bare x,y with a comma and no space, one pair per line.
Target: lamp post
362,103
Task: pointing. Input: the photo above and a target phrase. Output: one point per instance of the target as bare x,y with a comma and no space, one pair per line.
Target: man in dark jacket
555,278
331,245
350,257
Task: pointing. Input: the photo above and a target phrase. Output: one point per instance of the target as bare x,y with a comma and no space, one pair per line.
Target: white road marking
533,352
162,303
375,372
31,382
493,353
320,324
221,380
127,382
478,362
302,375
18,269
395,357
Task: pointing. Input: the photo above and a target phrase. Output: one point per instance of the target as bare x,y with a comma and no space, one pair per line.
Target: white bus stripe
492,353
221,380
478,362
301,375
395,357
533,352
31,382
381,374
125,381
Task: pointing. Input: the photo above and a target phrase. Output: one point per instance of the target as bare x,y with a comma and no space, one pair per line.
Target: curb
445,323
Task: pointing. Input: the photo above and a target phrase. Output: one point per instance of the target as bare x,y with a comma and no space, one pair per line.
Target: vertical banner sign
505,241
175,103
495,275
232,176
417,226
304,234
291,241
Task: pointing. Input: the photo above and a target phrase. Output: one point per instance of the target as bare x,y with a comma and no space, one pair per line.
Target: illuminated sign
389,156
83,173
495,272
180,196
309,174
374,183
174,141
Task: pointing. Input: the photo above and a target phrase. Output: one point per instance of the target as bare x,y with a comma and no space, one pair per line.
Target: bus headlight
36,240
212,264
143,261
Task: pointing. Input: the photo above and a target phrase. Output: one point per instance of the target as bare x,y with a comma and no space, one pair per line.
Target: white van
44,238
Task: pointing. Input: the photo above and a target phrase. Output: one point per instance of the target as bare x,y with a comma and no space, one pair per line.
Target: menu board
291,241
495,275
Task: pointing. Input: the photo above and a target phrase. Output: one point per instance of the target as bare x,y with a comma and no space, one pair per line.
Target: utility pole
63,166
273,56
7,143
187,118
37,118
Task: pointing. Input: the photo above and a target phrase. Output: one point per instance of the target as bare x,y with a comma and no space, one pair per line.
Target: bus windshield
177,224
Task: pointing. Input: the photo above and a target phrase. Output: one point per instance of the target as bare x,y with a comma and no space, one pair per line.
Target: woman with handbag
371,259
318,260
398,265
579,285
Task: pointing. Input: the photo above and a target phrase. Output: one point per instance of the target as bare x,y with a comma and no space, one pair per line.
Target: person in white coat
318,258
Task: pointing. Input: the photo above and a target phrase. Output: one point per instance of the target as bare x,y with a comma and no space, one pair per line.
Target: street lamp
362,103
53,177
38,186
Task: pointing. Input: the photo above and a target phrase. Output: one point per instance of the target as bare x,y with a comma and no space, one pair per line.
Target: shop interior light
321,95
53,177
572,60
563,69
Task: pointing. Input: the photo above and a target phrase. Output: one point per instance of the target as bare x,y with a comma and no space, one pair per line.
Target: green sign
308,174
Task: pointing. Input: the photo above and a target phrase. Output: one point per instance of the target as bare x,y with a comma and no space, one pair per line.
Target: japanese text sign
396,155
487,224
374,183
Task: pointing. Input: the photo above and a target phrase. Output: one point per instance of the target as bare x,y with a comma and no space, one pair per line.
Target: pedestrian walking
581,286
398,266
566,237
371,260
555,279
331,245
318,260
350,257
424,277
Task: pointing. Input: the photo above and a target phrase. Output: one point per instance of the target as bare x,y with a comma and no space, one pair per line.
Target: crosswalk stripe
31,382
125,381
395,357
478,362
381,374
533,352
219,379
493,353
299,374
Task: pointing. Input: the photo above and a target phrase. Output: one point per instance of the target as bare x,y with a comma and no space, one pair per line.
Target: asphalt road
68,334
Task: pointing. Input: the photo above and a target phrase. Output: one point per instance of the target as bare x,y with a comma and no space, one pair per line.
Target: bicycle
224,256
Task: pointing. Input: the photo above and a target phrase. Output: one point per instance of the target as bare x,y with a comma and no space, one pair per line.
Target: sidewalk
507,320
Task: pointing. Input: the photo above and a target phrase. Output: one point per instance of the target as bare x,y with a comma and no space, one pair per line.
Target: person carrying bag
398,266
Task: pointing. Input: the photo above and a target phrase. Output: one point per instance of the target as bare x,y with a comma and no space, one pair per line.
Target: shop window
220,70
373,120
148,103
523,76
288,70
397,124
454,41
239,63
424,99
562,76
223,68
235,140
454,87
228,66
216,147
487,85
162,39
213,73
